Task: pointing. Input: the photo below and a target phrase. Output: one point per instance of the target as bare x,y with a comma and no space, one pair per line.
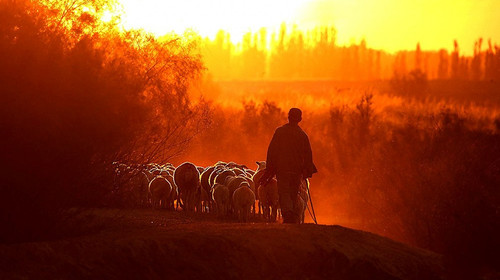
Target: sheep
221,163
220,195
170,168
256,179
160,190
250,172
269,199
238,171
243,199
187,179
174,194
204,178
165,173
200,169
205,184
232,165
302,206
251,183
303,198
261,165
155,172
233,182
174,197
202,200
217,169
221,177
267,194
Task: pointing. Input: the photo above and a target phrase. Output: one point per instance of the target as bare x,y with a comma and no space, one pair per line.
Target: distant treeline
295,54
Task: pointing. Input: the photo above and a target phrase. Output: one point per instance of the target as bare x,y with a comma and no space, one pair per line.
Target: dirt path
164,245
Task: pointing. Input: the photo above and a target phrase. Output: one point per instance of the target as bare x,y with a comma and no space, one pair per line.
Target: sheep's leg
247,214
274,214
265,212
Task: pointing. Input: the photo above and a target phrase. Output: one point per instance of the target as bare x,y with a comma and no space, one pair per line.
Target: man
289,157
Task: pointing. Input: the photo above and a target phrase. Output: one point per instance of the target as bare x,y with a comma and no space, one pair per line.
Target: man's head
294,115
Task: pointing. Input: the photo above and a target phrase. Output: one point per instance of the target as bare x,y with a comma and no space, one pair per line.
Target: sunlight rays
390,25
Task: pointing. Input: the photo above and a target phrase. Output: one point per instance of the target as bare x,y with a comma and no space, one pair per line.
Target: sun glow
390,25
208,17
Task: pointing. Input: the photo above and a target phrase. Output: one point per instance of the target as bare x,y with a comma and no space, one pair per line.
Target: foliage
427,178
413,84
294,54
78,94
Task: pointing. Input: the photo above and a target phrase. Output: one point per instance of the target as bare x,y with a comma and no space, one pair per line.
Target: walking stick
313,216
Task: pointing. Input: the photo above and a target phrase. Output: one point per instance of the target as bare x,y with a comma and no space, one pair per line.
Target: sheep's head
261,165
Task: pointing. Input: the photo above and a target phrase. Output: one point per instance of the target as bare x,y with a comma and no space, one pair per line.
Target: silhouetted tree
476,71
79,94
455,61
418,58
443,65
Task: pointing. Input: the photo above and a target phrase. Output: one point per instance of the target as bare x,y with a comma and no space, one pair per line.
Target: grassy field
422,169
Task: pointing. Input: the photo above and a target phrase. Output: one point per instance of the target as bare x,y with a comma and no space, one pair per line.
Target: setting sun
208,17
389,25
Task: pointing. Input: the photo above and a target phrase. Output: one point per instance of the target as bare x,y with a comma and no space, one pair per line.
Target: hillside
171,245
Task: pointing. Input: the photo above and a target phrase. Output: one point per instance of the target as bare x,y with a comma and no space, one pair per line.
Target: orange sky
385,24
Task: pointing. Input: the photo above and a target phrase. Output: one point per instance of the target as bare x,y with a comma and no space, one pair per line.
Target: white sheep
249,172
303,198
269,199
213,174
243,199
220,195
260,165
233,182
160,190
187,179
174,194
204,178
256,179
221,177
200,169
202,200
266,194
238,171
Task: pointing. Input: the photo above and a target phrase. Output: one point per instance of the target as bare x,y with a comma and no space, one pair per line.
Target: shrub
78,94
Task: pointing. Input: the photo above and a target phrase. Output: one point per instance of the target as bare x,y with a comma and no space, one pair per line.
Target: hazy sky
385,24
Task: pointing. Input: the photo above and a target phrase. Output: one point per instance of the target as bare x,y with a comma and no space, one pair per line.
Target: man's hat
295,115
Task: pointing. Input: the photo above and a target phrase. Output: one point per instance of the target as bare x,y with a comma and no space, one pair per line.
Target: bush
426,180
414,84
78,95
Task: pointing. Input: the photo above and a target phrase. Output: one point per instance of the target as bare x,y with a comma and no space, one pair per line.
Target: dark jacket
290,151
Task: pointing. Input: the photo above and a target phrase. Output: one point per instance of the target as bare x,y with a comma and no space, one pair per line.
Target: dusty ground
147,244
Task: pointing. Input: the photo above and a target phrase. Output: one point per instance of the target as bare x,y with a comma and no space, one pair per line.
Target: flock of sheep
223,188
